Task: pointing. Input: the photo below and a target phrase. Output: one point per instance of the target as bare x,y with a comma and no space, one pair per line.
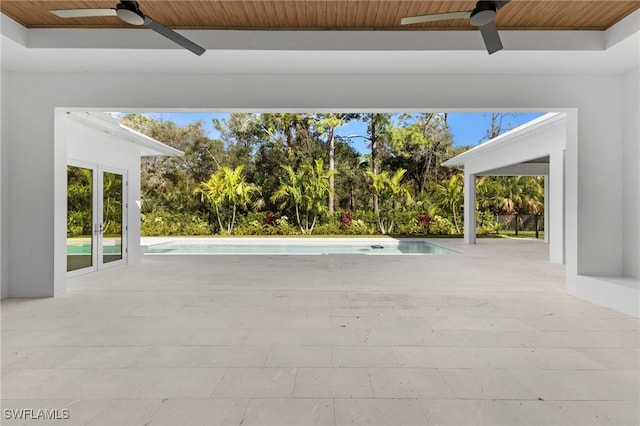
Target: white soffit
321,52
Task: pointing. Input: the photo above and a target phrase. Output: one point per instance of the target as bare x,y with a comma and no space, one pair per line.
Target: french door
96,217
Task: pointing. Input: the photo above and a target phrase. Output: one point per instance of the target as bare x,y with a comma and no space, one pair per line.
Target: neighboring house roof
149,147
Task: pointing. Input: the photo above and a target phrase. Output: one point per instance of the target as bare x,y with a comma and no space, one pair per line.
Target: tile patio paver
474,339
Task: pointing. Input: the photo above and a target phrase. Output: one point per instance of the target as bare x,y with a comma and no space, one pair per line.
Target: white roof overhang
104,122
523,151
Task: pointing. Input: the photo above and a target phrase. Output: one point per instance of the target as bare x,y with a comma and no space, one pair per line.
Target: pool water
302,247
83,248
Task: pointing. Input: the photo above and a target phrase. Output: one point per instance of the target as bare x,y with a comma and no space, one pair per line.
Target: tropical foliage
227,191
288,173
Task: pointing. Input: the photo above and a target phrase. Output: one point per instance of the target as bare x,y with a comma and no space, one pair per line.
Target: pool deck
484,338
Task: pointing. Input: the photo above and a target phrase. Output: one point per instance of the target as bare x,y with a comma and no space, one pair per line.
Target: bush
486,223
441,226
260,223
366,218
161,224
346,218
330,228
412,226
359,227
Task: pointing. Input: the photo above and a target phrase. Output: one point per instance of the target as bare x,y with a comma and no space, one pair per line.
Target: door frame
100,217
97,213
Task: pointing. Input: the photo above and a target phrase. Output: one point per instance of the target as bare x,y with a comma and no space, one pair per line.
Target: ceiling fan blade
173,36
491,37
83,13
435,17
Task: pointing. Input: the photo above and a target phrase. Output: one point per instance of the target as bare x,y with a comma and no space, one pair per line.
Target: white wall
631,175
598,98
4,183
90,145
530,144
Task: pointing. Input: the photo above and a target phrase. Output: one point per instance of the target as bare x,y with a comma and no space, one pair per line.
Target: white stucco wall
597,98
4,182
631,175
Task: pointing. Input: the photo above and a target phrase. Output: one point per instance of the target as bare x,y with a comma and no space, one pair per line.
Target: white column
547,206
555,228
469,208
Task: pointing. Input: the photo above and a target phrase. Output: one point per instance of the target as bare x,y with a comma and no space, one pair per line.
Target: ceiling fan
483,17
129,12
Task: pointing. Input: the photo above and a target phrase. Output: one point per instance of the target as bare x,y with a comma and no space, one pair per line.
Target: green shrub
330,228
161,224
359,227
441,226
367,218
486,223
411,226
283,227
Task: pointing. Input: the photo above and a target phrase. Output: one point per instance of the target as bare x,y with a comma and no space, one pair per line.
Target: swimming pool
289,246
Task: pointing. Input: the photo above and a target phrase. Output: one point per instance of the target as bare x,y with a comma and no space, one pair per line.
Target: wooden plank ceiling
328,15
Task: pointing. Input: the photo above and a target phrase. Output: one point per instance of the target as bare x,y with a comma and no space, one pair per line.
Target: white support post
547,207
556,226
469,208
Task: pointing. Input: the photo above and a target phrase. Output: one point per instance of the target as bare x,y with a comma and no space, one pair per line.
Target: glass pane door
80,192
111,226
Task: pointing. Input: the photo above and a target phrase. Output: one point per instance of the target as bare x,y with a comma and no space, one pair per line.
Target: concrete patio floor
487,337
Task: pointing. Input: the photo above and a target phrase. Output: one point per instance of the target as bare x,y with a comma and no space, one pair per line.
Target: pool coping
275,241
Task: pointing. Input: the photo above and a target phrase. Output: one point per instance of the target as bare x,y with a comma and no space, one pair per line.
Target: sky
467,128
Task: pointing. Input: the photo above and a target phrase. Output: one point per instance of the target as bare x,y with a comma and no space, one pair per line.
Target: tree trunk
352,199
298,219
332,182
374,160
218,217
232,222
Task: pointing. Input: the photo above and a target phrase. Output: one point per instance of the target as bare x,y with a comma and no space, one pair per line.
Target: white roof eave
508,137
149,147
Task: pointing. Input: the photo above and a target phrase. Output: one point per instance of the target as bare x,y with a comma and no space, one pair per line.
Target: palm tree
227,190
449,197
291,192
389,191
306,190
488,190
520,194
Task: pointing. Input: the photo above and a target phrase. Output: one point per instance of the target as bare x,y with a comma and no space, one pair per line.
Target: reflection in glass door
110,226
96,218
80,203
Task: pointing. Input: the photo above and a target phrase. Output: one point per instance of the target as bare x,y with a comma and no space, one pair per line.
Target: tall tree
498,125
289,129
326,125
418,143
377,134
168,182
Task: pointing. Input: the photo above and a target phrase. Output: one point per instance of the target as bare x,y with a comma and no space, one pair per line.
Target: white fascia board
317,40
149,147
13,30
519,133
